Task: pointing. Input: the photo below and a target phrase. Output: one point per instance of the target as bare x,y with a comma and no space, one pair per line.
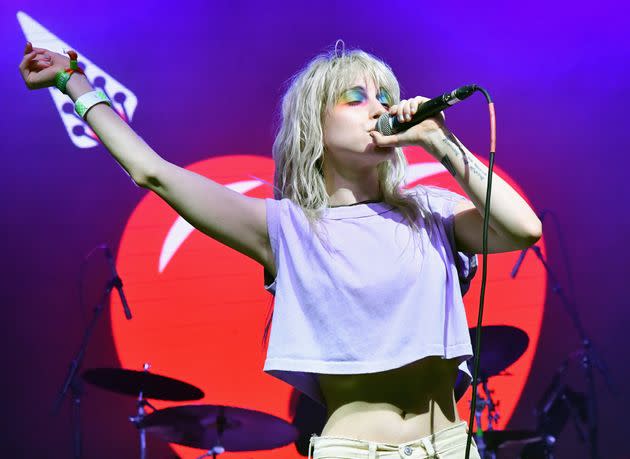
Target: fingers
32,55
385,140
402,110
29,48
407,108
27,59
34,60
39,64
414,104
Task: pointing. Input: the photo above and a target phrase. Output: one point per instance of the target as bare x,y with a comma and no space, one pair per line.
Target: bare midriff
393,406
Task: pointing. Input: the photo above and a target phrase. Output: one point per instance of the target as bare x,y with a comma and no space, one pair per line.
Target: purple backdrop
559,80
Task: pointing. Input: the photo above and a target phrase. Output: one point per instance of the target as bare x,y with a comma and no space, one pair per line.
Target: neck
349,187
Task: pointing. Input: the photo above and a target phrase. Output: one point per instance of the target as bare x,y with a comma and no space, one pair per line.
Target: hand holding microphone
398,127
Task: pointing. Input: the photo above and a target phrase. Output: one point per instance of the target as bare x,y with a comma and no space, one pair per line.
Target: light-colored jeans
449,443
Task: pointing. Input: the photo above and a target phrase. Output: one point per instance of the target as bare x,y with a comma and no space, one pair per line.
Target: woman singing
367,276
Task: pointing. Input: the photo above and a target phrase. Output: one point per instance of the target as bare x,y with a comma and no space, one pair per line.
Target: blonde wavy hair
298,150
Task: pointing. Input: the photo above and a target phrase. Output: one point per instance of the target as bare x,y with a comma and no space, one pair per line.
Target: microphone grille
383,125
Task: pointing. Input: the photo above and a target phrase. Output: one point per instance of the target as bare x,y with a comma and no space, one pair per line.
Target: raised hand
416,135
39,66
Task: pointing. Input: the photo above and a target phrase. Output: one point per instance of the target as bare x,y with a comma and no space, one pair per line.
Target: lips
200,307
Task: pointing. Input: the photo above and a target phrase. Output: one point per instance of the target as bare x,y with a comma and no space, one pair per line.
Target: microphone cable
486,218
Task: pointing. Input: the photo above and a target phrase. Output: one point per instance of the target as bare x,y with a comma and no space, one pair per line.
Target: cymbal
131,382
494,439
198,426
501,346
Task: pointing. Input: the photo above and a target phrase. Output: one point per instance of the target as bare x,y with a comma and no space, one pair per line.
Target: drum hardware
503,345
145,385
489,441
72,382
496,439
219,428
493,417
152,386
137,419
214,428
589,357
556,406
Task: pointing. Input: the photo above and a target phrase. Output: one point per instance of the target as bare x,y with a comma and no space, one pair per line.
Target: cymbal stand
139,417
213,452
493,413
493,416
589,357
217,449
74,383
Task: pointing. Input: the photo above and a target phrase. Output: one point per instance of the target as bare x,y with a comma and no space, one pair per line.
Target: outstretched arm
225,215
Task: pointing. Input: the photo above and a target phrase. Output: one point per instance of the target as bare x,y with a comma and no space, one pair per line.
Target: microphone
388,124
117,282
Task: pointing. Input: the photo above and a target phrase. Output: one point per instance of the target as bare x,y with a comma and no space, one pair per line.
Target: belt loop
428,447
371,450
310,446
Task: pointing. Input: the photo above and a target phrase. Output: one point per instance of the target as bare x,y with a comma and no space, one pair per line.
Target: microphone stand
588,355
74,382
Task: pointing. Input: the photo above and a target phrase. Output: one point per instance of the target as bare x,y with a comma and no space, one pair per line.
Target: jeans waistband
430,444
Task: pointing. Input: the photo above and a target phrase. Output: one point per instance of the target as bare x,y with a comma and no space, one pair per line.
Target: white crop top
365,297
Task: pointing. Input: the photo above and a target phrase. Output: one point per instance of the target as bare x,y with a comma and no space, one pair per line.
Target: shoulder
436,199
279,207
285,215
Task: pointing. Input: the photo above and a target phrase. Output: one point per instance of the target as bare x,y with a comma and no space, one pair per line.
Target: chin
385,149
381,150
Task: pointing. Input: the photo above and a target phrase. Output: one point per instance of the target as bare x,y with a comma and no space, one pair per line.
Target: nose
378,110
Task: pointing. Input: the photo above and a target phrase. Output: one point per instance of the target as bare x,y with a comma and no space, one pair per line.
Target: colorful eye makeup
384,98
353,95
358,95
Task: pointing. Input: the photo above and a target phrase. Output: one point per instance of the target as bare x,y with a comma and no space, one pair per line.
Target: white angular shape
41,37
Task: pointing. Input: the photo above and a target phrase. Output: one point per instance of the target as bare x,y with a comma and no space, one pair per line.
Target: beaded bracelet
89,100
62,77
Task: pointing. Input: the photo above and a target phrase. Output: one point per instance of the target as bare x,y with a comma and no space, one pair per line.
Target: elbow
531,235
526,236
141,180
147,178
529,241
535,231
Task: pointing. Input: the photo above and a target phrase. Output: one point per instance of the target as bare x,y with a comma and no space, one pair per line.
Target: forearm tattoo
470,163
449,165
